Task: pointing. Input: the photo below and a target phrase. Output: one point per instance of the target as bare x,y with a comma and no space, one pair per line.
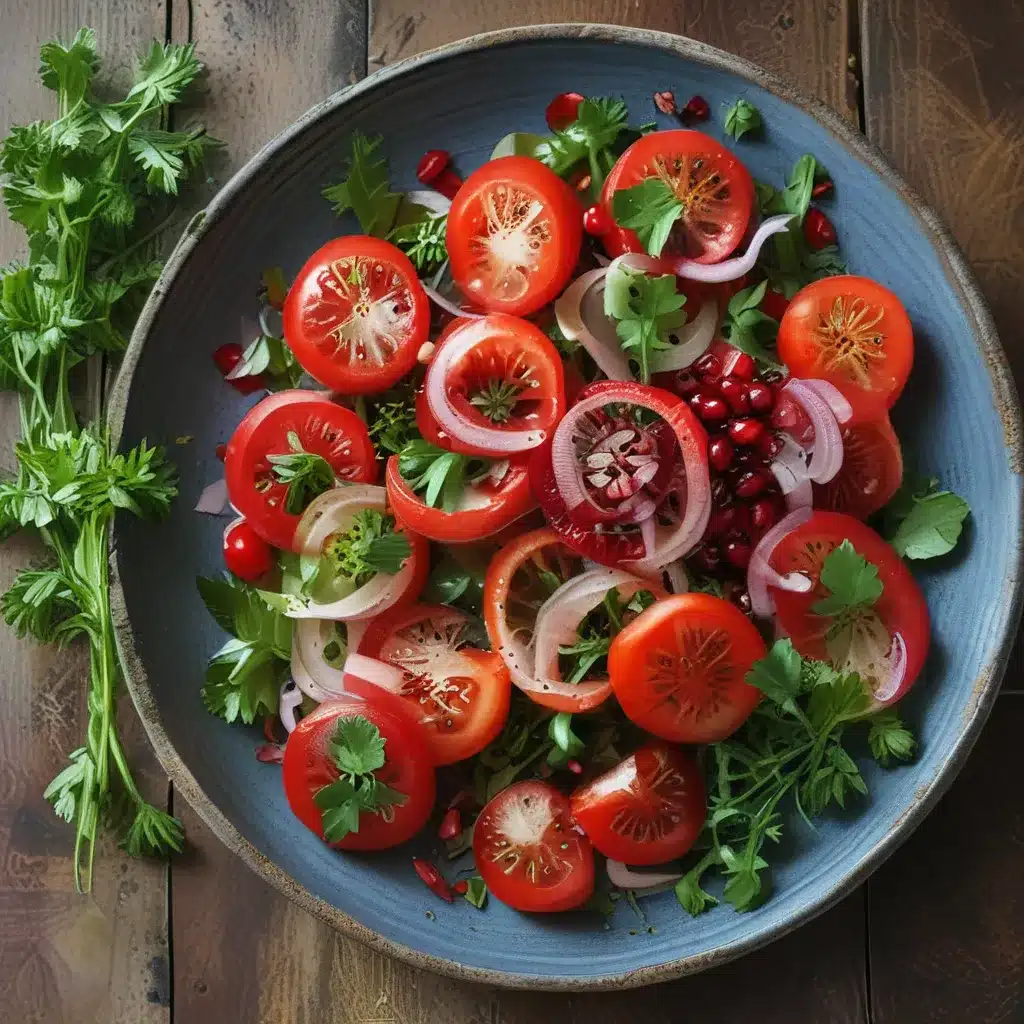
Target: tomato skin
563,110
559,234
873,377
505,503
731,214
649,809
901,608
326,290
308,768
657,684
323,427
226,358
246,553
563,861
871,473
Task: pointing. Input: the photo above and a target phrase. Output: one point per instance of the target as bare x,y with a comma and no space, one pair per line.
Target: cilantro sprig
749,329
440,475
851,581
306,474
366,188
922,521
651,209
423,241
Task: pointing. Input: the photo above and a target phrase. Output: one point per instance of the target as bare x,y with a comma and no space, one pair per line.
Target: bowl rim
986,686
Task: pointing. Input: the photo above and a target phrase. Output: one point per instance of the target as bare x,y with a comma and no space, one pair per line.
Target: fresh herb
476,892
423,241
750,330
453,583
889,738
268,356
648,309
651,209
357,749
94,190
306,474
791,744
597,630
522,743
497,399
742,117
244,677
587,652
567,744
442,476
565,346
852,582
369,546
366,190
392,420
921,521
705,584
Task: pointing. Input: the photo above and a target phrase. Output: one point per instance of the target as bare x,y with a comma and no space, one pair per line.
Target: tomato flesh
527,852
871,473
647,810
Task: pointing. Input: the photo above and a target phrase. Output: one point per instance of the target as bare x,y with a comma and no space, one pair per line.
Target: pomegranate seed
747,457
818,230
451,824
744,368
769,446
665,102
596,221
686,384
562,110
433,879
761,396
707,558
746,431
461,887
735,393
709,407
574,766
737,519
764,514
697,109
220,451
720,453
753,483
823,188
774,304
709,365
738,553
434,170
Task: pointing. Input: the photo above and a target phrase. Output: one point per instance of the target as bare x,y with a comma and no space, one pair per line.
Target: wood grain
59,951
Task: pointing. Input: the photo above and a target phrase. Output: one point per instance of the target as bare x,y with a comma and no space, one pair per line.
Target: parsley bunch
94,191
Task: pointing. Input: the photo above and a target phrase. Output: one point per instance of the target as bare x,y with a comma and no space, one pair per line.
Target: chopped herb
750,330
566,743
268,356
366,190
921,521
476,892
441,475
392,419
498,398
306,474
369,546
650,209
423,241
453,583
852,582
741,118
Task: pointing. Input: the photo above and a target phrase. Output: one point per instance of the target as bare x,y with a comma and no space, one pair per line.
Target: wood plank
66,958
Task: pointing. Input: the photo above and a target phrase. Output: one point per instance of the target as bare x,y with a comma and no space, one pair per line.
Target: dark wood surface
938,933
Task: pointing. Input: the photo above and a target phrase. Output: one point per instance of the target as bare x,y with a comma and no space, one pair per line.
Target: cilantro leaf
357,746
750,330
456,583
476,892
742,117
777,675
922,521
366,190
888,738
306,474
693,899
441,475
650,209
851,579
340,806
370,545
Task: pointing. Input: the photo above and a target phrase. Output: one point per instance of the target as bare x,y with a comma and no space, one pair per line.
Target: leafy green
742,117
392,419
423,241
750,330
441,475
650,209
267,356
497,398
369,546
921,521
306,474
852,582
889,738
366,189
454,583
566,743
587,652
517,144
476,892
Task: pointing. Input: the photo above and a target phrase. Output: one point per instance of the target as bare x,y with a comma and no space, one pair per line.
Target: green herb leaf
369,546
423,241
922,521
889,738
586,653
778,674
476,892
650,209
750,330
366,190
564,739
357,746
392,420
693,899
742,117
306,474
441,475
851,579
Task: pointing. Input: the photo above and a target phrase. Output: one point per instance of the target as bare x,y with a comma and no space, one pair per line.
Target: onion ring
730,270
605,350
760,574
827,457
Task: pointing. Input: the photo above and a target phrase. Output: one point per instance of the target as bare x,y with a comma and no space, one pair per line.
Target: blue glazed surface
949,420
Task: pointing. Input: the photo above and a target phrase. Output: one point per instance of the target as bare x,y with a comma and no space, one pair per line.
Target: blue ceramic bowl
959,418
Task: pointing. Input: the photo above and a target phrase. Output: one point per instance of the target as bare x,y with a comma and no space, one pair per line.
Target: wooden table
937,934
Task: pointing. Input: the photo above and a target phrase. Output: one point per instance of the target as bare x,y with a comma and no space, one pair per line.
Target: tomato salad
574,528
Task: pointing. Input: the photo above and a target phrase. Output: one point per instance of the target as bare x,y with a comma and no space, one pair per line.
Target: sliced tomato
871,473
886,643
458,694
647,810
356,315
714,188
527,852
678,669
320,426
485,507
309,766
500,376
853,333
514,234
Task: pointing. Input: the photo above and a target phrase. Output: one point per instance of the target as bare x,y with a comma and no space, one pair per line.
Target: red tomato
563,110
485,507
678,668
322,428
226,358
647,810
716,191
356,315
886,643
527,852
871,473
458,694
308,767
246,553
514,234
853,333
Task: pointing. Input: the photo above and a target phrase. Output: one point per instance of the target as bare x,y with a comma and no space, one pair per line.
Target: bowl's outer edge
1005,395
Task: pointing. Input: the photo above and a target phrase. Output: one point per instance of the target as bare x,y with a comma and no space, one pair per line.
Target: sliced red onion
290,698
580,315
432,201
676,573
897,664
625,878
334,511
695,339
760,574
488,439
381,674
448,306
790,465
214,499
827,457
231,526
730,270
841,408
649,535
802,496
368,601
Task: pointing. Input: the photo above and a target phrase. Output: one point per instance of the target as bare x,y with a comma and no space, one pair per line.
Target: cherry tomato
484,508
677,669
356,315
887,642
527,852
514,234
647,810
871,473
458,694
596,221
226,358
246,553
716,191
563,110
818,230
321,427
853,333
309,766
